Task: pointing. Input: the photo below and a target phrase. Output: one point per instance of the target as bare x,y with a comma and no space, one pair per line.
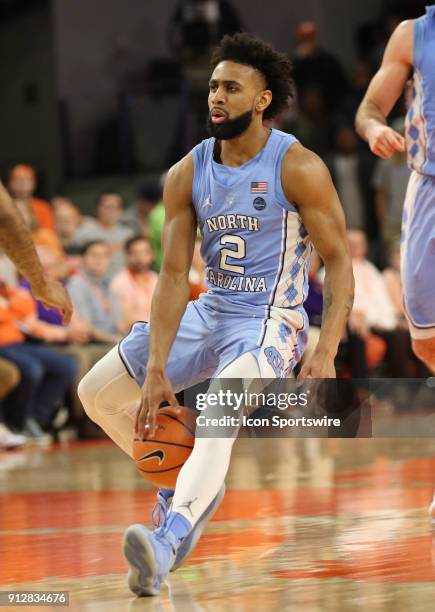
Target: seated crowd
110,264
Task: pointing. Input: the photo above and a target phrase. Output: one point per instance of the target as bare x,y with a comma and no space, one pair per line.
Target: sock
202,476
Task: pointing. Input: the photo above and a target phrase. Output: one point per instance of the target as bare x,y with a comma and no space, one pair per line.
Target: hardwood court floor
312,525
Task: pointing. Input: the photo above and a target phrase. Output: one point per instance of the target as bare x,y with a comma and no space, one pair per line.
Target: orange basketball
159,459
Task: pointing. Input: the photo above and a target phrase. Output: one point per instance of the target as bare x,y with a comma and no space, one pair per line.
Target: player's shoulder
303,172
181,172
401,42
300,163
178,182
405,30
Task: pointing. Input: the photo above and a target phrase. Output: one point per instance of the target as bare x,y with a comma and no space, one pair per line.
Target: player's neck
238,151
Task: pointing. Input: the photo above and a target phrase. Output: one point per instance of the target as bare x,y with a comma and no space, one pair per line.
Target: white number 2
238,253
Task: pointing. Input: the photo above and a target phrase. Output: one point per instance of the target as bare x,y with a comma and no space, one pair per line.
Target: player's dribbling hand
384,141
156,389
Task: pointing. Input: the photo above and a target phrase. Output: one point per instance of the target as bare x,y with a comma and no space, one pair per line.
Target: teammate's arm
172,291
384,91
307,182
16,242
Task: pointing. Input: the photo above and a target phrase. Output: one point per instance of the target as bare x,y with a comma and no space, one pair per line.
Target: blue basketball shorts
418,255
213,334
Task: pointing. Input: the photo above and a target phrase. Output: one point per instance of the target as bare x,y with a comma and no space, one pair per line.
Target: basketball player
260,198
16,243
412,45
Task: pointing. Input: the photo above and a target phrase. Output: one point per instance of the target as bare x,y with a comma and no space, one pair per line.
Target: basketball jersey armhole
197,156
418,44
282,149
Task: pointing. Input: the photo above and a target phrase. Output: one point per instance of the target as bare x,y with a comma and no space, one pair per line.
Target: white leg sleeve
111,398
204,472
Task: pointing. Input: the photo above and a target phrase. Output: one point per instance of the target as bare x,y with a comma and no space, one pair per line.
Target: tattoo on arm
328,300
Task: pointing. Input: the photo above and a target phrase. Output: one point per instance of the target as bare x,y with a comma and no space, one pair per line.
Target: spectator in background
41,236
372,306
198,25
9,379
155,226
74,339
21,184
360,79
310,122
47,323
107,228
390,181
67,220
45,374
94,302
136,216
134,285
314,66
351,171
373,312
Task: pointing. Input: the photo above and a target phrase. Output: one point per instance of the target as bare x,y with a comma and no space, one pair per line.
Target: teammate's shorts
418,255
212,335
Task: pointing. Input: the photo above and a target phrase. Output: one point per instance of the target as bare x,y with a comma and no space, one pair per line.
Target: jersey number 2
238,253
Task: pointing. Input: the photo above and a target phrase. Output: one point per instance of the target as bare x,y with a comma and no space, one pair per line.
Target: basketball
159,459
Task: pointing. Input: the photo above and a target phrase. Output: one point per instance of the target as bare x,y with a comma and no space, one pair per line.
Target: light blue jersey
420,120
257,250
255,246
418,224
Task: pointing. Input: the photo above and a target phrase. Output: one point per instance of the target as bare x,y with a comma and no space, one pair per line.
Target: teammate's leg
417,265
417,255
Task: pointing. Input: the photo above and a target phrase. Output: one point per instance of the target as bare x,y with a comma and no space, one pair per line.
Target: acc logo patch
259,203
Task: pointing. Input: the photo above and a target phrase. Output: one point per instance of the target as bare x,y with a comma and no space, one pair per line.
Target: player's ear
263,100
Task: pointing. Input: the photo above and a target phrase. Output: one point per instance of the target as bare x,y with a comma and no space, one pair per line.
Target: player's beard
230,128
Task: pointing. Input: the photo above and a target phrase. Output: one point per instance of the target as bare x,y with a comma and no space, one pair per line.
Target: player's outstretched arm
307,182
172,291
16,242
384,91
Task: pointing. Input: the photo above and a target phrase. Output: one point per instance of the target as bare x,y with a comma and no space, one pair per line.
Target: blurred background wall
71,72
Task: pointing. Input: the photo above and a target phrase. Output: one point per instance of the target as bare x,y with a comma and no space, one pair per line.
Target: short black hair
131,241
88,245
275,67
